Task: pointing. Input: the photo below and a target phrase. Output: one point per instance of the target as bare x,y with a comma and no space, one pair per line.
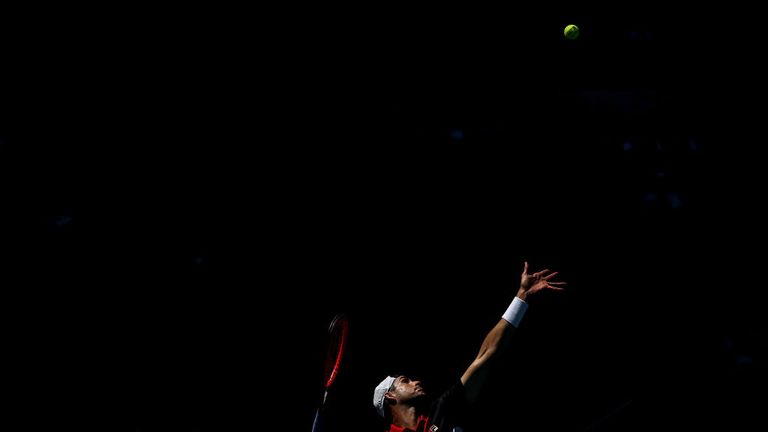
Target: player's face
406,389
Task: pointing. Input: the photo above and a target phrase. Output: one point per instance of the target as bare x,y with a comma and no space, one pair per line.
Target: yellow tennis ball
571,31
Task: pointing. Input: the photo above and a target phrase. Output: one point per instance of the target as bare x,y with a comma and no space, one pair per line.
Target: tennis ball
571,31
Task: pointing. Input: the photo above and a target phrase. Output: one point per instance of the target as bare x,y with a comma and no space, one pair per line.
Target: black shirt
444,414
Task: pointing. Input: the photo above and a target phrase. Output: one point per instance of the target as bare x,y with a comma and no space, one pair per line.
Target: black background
192,195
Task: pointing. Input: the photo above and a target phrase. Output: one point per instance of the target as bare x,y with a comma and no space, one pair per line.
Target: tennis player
404,404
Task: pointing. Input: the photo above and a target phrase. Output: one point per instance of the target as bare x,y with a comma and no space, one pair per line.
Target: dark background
191,195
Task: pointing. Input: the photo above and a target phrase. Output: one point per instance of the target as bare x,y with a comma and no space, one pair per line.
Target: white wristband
515,311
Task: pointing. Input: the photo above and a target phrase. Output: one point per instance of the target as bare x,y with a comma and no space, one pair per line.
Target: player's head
397,390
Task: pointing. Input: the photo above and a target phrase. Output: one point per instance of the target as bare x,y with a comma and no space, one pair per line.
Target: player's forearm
495,339
474,377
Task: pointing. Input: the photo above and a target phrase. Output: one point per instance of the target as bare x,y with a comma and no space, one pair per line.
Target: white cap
378,394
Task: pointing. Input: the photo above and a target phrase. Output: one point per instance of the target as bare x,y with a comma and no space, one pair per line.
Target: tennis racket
337,343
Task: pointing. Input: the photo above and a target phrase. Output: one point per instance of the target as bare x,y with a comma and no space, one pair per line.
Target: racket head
337,344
